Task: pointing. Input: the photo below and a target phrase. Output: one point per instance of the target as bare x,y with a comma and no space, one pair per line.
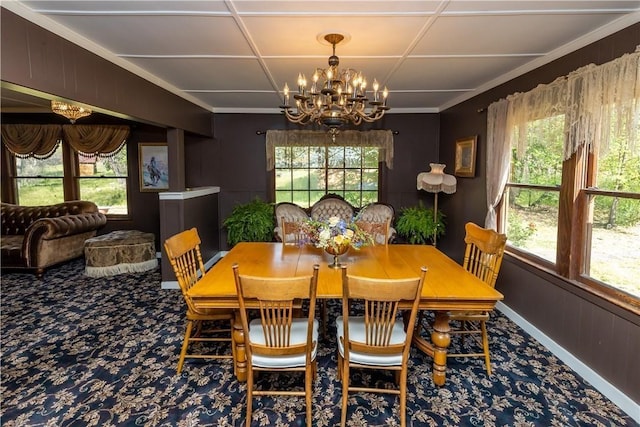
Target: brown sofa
37,237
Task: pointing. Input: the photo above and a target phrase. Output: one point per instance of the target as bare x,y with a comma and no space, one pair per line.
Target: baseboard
623,401
173,284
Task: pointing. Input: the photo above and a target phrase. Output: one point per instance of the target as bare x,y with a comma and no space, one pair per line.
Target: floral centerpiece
336,236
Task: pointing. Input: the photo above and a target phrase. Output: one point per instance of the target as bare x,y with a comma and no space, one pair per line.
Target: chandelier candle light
70,111
336,97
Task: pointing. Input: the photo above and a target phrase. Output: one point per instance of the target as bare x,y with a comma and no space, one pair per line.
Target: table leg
437,348
239,352
441,340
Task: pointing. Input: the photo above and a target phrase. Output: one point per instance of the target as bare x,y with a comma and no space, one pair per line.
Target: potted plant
416,224
250,222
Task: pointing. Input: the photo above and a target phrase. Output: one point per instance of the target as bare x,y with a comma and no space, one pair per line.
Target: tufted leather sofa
37,237
333,205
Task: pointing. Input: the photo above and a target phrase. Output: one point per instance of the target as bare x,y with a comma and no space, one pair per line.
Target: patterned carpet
78,351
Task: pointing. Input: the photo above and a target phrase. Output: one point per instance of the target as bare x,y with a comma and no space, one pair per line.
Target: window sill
614,300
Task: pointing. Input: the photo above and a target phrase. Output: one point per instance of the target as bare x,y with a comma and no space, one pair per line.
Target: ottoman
122,251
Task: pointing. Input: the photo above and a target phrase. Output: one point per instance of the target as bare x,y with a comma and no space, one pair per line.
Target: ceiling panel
236,55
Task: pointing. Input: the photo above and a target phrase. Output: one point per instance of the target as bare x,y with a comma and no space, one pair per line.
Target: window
48,164
103,180
308,164
572,198
304,174
40,181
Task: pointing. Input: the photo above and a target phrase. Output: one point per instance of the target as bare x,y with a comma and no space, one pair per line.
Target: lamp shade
436,180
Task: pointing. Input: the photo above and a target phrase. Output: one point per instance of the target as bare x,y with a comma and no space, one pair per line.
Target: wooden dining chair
291,213
378,340
483,258
278,341
183,252
377,219
292,232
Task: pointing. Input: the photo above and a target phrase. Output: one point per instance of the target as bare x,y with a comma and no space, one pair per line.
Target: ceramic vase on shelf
336,252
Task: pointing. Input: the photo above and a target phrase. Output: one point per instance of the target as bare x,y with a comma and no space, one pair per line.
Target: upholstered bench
118,252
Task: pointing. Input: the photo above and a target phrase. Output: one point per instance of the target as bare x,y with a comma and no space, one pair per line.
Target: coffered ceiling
236,55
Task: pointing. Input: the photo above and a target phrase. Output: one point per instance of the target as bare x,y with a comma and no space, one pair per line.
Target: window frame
576,188
271,180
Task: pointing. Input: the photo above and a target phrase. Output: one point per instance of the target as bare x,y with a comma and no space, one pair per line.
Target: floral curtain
382,139
37,141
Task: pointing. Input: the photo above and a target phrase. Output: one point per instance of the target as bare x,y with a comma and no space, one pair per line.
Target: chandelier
336,96
70,111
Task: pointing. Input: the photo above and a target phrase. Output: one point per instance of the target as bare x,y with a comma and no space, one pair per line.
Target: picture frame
466,157
153,166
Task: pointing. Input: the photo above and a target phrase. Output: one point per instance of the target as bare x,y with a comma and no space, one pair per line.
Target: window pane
318,179
336,157
615,243
370,157
300,179
114,166
51,166
283,179
532,221
540,162
110,194
301,198
299,157
316,157
335,180
39,191
34,186
352,157
619,167
352,180
370,179
283,196
283,157
315,196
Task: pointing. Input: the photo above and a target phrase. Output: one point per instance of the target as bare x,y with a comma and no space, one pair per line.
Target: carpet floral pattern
80,351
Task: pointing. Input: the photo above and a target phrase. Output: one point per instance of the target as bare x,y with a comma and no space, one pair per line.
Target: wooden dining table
447,285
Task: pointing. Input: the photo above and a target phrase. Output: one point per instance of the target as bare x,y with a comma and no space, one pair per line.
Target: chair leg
323,313
308,391
485,347
249,395
185,345
403,398
345,392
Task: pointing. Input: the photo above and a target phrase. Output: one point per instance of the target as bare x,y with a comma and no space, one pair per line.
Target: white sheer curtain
603,102
600,102
498,157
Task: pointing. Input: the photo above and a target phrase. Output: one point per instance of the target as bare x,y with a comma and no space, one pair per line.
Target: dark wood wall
598,333
236,160
37,60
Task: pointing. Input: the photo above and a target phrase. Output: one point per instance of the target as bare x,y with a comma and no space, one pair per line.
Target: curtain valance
103,140
40,141
600,102
382,139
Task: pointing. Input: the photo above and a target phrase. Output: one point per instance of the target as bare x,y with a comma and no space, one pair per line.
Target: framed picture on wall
153,165
466,157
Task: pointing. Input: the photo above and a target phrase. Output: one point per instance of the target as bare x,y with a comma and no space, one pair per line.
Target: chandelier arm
336,97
